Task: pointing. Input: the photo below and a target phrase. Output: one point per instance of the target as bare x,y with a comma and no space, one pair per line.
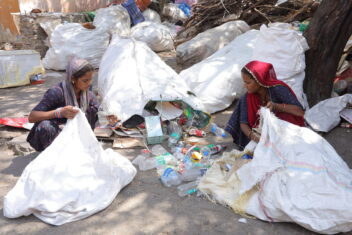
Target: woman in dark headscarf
58,104
263,89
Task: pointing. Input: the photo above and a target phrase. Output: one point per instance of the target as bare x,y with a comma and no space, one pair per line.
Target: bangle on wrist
250,134
57,113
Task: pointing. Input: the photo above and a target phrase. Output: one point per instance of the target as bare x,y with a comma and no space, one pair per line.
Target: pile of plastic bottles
184,163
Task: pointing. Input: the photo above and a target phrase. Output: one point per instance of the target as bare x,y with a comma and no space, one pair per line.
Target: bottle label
161,159
175,135
193,190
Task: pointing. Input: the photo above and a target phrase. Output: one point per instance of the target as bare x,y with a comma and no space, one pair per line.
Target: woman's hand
68,112
255,137
112,119
271,105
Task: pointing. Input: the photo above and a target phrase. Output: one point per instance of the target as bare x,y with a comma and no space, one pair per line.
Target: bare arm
249,133
65,112
286,108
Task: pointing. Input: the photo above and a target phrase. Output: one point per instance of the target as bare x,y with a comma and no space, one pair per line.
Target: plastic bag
207,43
114,20
325,115
173,13
72,39
131,69
157,36
70,180
284,48
217,80
151,15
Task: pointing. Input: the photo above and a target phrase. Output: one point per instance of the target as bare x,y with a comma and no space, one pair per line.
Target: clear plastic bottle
218,131
211,149
170,178
187,189
191,174
175,133
151,163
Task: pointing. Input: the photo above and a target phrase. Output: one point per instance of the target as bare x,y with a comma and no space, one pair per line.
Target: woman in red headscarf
263,90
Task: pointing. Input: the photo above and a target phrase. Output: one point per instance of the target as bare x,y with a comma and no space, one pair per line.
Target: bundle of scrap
208,14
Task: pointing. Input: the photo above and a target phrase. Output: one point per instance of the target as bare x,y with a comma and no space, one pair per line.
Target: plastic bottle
211,149
175,132
151,163
218,131
191,174
187,189
170,177
196,132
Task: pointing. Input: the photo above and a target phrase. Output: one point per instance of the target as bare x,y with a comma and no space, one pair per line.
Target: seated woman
263,89
57,104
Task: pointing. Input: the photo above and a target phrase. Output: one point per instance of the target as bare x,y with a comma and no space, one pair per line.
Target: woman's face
250,84
83,83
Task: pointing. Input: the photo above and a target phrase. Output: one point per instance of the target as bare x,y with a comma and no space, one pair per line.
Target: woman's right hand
112,119
68,112
255,137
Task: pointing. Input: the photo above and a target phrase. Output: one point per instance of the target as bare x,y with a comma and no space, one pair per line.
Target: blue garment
278,94
134,12
43,133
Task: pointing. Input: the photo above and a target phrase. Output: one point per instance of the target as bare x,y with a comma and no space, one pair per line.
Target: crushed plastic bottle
192,174
170,178
151,163
218,131
188,189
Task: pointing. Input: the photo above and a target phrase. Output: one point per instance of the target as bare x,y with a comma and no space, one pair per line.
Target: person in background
263,90
57,104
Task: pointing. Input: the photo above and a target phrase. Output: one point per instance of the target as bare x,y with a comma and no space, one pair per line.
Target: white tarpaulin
207,43
72,39
295,176
325,115
217,80
157,36
131,75
114,20
284,48
70,180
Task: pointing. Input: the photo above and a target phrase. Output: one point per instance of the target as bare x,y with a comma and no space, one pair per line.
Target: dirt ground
144,206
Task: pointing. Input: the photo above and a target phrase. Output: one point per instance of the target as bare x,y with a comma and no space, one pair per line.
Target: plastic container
218,131
187,189
170,178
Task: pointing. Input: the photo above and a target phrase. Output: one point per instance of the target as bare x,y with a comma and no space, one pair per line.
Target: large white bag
325,115
72,39
302,178
217,80
173,13
131,75
70,180
295,176
206,43
114,20
157,36
284,48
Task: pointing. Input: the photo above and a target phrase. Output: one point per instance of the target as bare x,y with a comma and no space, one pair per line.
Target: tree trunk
327,36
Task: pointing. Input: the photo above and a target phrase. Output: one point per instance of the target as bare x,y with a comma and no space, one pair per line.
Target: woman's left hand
271,105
